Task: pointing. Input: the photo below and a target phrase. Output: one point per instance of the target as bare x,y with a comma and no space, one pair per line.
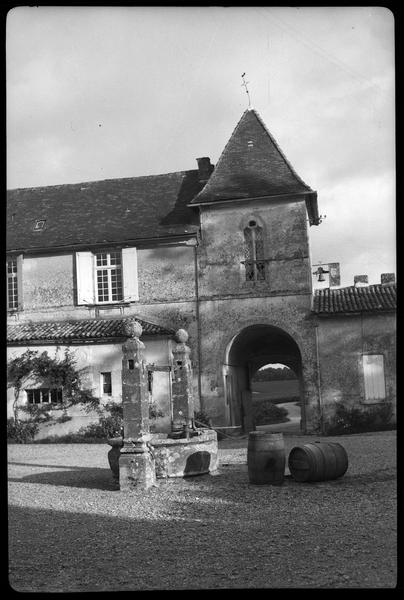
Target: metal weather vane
244,84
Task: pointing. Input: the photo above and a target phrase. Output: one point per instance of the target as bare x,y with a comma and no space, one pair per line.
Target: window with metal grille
12,284
108,276
254,252
373,373
106,383
44,396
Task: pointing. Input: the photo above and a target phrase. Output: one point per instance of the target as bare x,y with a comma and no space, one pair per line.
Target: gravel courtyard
72,530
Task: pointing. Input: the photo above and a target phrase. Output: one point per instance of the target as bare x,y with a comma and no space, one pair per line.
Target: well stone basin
184,457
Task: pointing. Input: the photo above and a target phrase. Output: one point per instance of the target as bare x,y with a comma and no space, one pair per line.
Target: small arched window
254,252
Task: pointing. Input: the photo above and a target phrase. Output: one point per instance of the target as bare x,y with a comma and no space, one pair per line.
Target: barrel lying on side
266,458
318,461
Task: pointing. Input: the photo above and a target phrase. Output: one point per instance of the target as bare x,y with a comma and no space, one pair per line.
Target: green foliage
21,432
201,419
154,411
272,374
58,372
37,413
357,420
63,418
267,413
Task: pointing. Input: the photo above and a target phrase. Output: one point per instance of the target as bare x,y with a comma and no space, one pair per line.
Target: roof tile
98,212
79,329
373,298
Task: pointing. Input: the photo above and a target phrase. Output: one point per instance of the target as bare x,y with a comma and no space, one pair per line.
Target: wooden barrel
318,461
266,458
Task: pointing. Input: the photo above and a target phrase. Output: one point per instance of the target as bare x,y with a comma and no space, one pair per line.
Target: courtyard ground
72,530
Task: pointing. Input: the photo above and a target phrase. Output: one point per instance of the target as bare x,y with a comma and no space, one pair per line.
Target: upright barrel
318,461
266,458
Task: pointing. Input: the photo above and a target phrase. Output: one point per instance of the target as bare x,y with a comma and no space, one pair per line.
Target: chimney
205,168
361,281
386,278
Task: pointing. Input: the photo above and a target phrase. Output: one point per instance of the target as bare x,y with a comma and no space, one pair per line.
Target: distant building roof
252,166
372,298
108,211
81,329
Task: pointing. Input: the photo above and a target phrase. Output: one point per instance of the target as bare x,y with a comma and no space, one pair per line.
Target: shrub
21,432
356,420
267,413
201,419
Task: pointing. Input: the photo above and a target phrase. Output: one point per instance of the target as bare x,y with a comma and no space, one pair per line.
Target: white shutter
19,282
129,274
85,278
373,371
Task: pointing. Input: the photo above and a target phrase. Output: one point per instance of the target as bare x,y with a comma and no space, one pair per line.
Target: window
106,384
254,252
373,373
107,276
39,224
44,396
12,284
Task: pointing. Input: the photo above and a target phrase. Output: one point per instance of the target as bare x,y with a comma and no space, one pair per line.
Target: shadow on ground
79,477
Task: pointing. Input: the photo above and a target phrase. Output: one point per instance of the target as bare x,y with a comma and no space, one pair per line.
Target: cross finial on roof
244,84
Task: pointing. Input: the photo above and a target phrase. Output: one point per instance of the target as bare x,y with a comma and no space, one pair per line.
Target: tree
58,372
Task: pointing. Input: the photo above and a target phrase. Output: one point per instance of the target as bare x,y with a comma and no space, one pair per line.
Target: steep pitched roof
373,298
251,166
81,329
112,210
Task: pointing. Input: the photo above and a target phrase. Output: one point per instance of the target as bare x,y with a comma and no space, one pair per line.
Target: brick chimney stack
361,281
205,168
386,278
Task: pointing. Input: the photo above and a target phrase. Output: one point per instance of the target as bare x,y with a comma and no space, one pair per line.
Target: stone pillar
182,421
136,462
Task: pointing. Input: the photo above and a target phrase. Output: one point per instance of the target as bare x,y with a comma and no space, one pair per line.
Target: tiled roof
113,210
372,298
83,329
252,165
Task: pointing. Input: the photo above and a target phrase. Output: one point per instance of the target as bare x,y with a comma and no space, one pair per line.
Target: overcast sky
108,92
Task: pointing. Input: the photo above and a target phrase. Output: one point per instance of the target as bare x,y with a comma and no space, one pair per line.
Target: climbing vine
58,372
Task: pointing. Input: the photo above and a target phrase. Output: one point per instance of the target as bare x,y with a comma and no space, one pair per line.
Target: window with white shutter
373,373
14,282
85,277
107,276
129,272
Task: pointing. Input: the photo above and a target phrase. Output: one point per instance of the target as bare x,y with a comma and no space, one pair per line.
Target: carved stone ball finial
133,329
181,336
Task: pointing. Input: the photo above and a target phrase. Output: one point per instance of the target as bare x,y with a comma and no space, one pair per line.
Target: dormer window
39,224
254,252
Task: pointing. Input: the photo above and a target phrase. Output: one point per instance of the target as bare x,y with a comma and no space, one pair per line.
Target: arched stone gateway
250,349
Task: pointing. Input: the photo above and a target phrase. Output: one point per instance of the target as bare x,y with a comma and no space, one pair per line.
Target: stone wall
342,341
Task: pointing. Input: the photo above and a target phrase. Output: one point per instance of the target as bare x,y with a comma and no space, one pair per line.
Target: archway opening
275,396
254,350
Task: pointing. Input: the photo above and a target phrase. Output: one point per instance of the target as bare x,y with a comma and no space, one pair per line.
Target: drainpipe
320,403
198,324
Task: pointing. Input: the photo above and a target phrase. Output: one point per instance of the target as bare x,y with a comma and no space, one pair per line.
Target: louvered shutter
85,278
373,371
129,272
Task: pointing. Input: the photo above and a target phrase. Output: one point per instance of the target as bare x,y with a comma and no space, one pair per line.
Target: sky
107,92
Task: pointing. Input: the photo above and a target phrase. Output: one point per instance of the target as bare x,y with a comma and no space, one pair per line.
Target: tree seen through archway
275,394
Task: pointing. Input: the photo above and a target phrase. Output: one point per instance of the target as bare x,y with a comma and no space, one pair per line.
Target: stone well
183,457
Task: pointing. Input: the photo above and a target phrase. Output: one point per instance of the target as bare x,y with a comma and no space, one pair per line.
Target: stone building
222,252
